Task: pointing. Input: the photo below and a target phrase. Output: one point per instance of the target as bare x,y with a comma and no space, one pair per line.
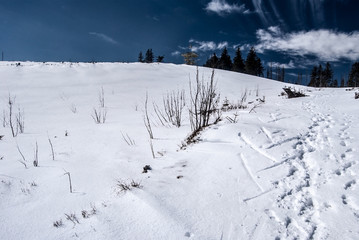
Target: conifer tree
212,62
327,76
149,56
225,61
253,64
353,80
313,77
140,57
238,62
259,67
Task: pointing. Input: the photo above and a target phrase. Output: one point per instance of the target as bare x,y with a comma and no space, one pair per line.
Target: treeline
323,77
252,65
149,57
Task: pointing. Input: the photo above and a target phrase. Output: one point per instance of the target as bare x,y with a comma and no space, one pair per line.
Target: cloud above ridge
326,45
205,46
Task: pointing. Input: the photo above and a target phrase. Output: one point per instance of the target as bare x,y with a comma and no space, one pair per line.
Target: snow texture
286,170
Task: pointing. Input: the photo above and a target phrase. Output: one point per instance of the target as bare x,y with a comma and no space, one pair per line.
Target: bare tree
204,103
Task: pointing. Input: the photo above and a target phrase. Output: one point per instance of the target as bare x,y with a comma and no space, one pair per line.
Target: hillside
284,169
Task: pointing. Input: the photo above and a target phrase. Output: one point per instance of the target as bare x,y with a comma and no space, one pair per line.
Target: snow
287,170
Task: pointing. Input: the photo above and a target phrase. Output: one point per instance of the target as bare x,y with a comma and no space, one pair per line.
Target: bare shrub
89,213
204,102
99,115
85,214
204,105
58,223
356,96
73,108
15,120
11,102
292,93
146,119
23,161
234,119
20,121
128,140
72,217
160,115
241,104
127,186
173,104
253,108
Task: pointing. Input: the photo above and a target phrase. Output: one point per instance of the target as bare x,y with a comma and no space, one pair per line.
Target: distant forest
319,77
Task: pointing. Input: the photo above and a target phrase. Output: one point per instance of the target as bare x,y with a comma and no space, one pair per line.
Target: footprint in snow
349,184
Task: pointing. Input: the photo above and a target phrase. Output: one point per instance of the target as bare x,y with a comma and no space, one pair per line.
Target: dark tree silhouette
253,64
353,80
225,61
140,57
212,62
238,62
149,56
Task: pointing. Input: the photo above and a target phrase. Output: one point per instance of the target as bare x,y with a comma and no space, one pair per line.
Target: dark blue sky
295,34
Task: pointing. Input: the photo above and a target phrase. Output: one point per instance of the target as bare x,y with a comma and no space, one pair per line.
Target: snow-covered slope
287,170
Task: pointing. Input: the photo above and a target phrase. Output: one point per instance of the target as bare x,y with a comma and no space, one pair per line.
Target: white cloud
327,45
176,53
242,46
207,45
221,7
282,65
104,37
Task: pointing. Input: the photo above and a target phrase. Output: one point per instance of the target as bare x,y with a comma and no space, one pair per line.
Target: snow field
287,170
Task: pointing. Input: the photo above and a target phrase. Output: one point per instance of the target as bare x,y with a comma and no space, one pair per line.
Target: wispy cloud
176,53
104,37
221,7
289,65
326,45
205,46
263,14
